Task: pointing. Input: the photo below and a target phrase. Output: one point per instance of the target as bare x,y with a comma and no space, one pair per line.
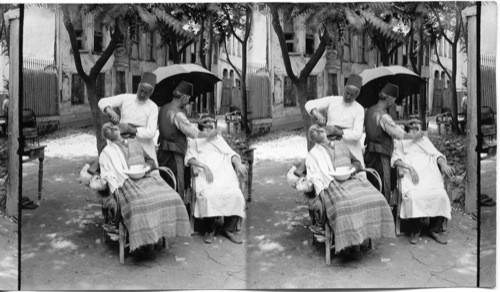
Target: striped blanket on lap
356,211
151,209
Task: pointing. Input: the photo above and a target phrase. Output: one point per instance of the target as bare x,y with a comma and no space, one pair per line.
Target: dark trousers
435,224
175,161
230,223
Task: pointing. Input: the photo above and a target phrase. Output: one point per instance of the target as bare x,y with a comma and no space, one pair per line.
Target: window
309,44
215,57
289,33
134,37
440,52
289,99
97,37
394,57
100,89
405,55
78,27
77,90
193,53
426,56
362,48
150,46
332,88
120,85
238,45
136,79
347,46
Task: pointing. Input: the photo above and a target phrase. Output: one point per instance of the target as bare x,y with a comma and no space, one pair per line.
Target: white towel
113,163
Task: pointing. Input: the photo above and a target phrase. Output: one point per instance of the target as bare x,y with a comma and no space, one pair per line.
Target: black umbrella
375,79
169,77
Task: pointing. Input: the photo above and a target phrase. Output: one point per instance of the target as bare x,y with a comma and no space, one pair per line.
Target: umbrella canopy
374,79
170,76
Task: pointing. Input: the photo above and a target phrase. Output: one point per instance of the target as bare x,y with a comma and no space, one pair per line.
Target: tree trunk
244,109
211,95
96,115
454,107
301,92
423,99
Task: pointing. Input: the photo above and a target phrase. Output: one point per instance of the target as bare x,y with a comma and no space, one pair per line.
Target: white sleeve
149,131
112,101
191,151
356,132
319,104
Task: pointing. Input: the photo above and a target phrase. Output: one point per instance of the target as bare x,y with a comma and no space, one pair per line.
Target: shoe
232,237
439,237
28,204
209,237
413,238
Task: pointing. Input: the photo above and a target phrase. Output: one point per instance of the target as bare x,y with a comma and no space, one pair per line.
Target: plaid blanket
356,211
151,209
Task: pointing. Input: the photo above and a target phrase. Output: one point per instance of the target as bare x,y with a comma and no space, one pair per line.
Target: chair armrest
195,171
169,172
376,175
400,172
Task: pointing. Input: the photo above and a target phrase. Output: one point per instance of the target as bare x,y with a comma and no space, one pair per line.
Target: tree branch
315,57
229,60
441,28
281,38
74,45
231,27
113,44
441,64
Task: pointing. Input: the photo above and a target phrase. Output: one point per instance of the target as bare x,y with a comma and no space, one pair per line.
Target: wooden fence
258,95
488,81
40,87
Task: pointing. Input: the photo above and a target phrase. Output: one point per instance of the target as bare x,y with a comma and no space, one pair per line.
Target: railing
488,81
40,87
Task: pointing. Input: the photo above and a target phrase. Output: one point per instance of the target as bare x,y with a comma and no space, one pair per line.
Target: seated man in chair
150,208
217,187
423,193
355,210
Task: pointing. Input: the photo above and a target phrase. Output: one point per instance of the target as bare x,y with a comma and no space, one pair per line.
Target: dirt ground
8,254
281,254
62,246
488,223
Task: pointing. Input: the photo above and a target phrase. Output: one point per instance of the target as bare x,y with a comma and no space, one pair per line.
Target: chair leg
328,244
121,241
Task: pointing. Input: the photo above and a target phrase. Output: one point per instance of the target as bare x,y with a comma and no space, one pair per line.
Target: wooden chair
195,171
123,239
399,199
329,234
30,130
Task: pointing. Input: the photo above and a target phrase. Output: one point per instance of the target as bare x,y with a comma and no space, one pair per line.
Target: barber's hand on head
115,118
414,176
131,129
418,136
319,117
208,174
123,128
212,134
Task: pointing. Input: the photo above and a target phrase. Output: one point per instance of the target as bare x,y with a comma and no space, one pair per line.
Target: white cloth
223,196
428,198
141,114
348,116
299,183
320,168
112,163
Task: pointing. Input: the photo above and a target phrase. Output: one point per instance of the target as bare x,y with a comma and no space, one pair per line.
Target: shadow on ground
281,254
62,245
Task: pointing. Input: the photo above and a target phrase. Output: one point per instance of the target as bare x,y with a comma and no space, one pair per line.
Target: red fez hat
185,88
390,90
149,78
355,80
